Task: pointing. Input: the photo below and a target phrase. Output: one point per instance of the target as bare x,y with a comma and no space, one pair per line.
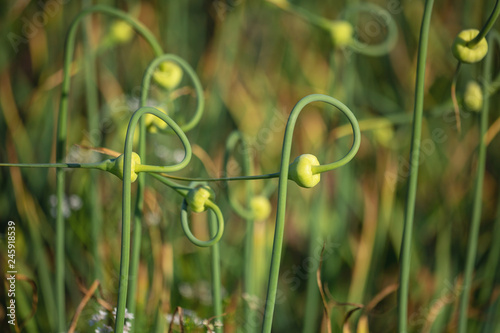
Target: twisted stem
200,100
126,199
145,88
187,231
282,190
62,137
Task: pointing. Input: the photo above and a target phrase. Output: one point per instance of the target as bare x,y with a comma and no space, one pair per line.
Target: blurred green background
255,61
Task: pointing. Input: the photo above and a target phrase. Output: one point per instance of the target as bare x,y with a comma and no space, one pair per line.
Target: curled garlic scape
199,199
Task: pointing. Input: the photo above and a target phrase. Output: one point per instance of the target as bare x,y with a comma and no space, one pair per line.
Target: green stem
181,190
126,200
98,165
414,162
208,179
146,82
216,276
282,189
478,196
62,137
92,105
138,214
487,26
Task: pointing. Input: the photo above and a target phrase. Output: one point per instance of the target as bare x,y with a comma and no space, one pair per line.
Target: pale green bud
197,198
168,74
116,166
261,207
341,32
469,54
473,97
121,31
300,171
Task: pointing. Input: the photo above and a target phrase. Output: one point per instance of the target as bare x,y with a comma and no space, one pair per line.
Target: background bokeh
255,61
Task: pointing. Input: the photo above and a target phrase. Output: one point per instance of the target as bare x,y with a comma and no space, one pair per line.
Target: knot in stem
198,197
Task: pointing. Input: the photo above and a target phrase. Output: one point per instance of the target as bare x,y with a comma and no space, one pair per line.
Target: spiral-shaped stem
126,198
187,231
282,190
200,100
62,135
145,89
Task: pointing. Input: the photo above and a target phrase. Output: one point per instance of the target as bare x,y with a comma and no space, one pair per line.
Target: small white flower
98,317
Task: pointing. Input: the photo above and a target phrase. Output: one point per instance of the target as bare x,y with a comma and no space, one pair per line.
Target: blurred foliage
255,62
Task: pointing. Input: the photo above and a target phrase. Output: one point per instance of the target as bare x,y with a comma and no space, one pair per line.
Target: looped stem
176,128
62,138
126,198
283,180
185,225
146,82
